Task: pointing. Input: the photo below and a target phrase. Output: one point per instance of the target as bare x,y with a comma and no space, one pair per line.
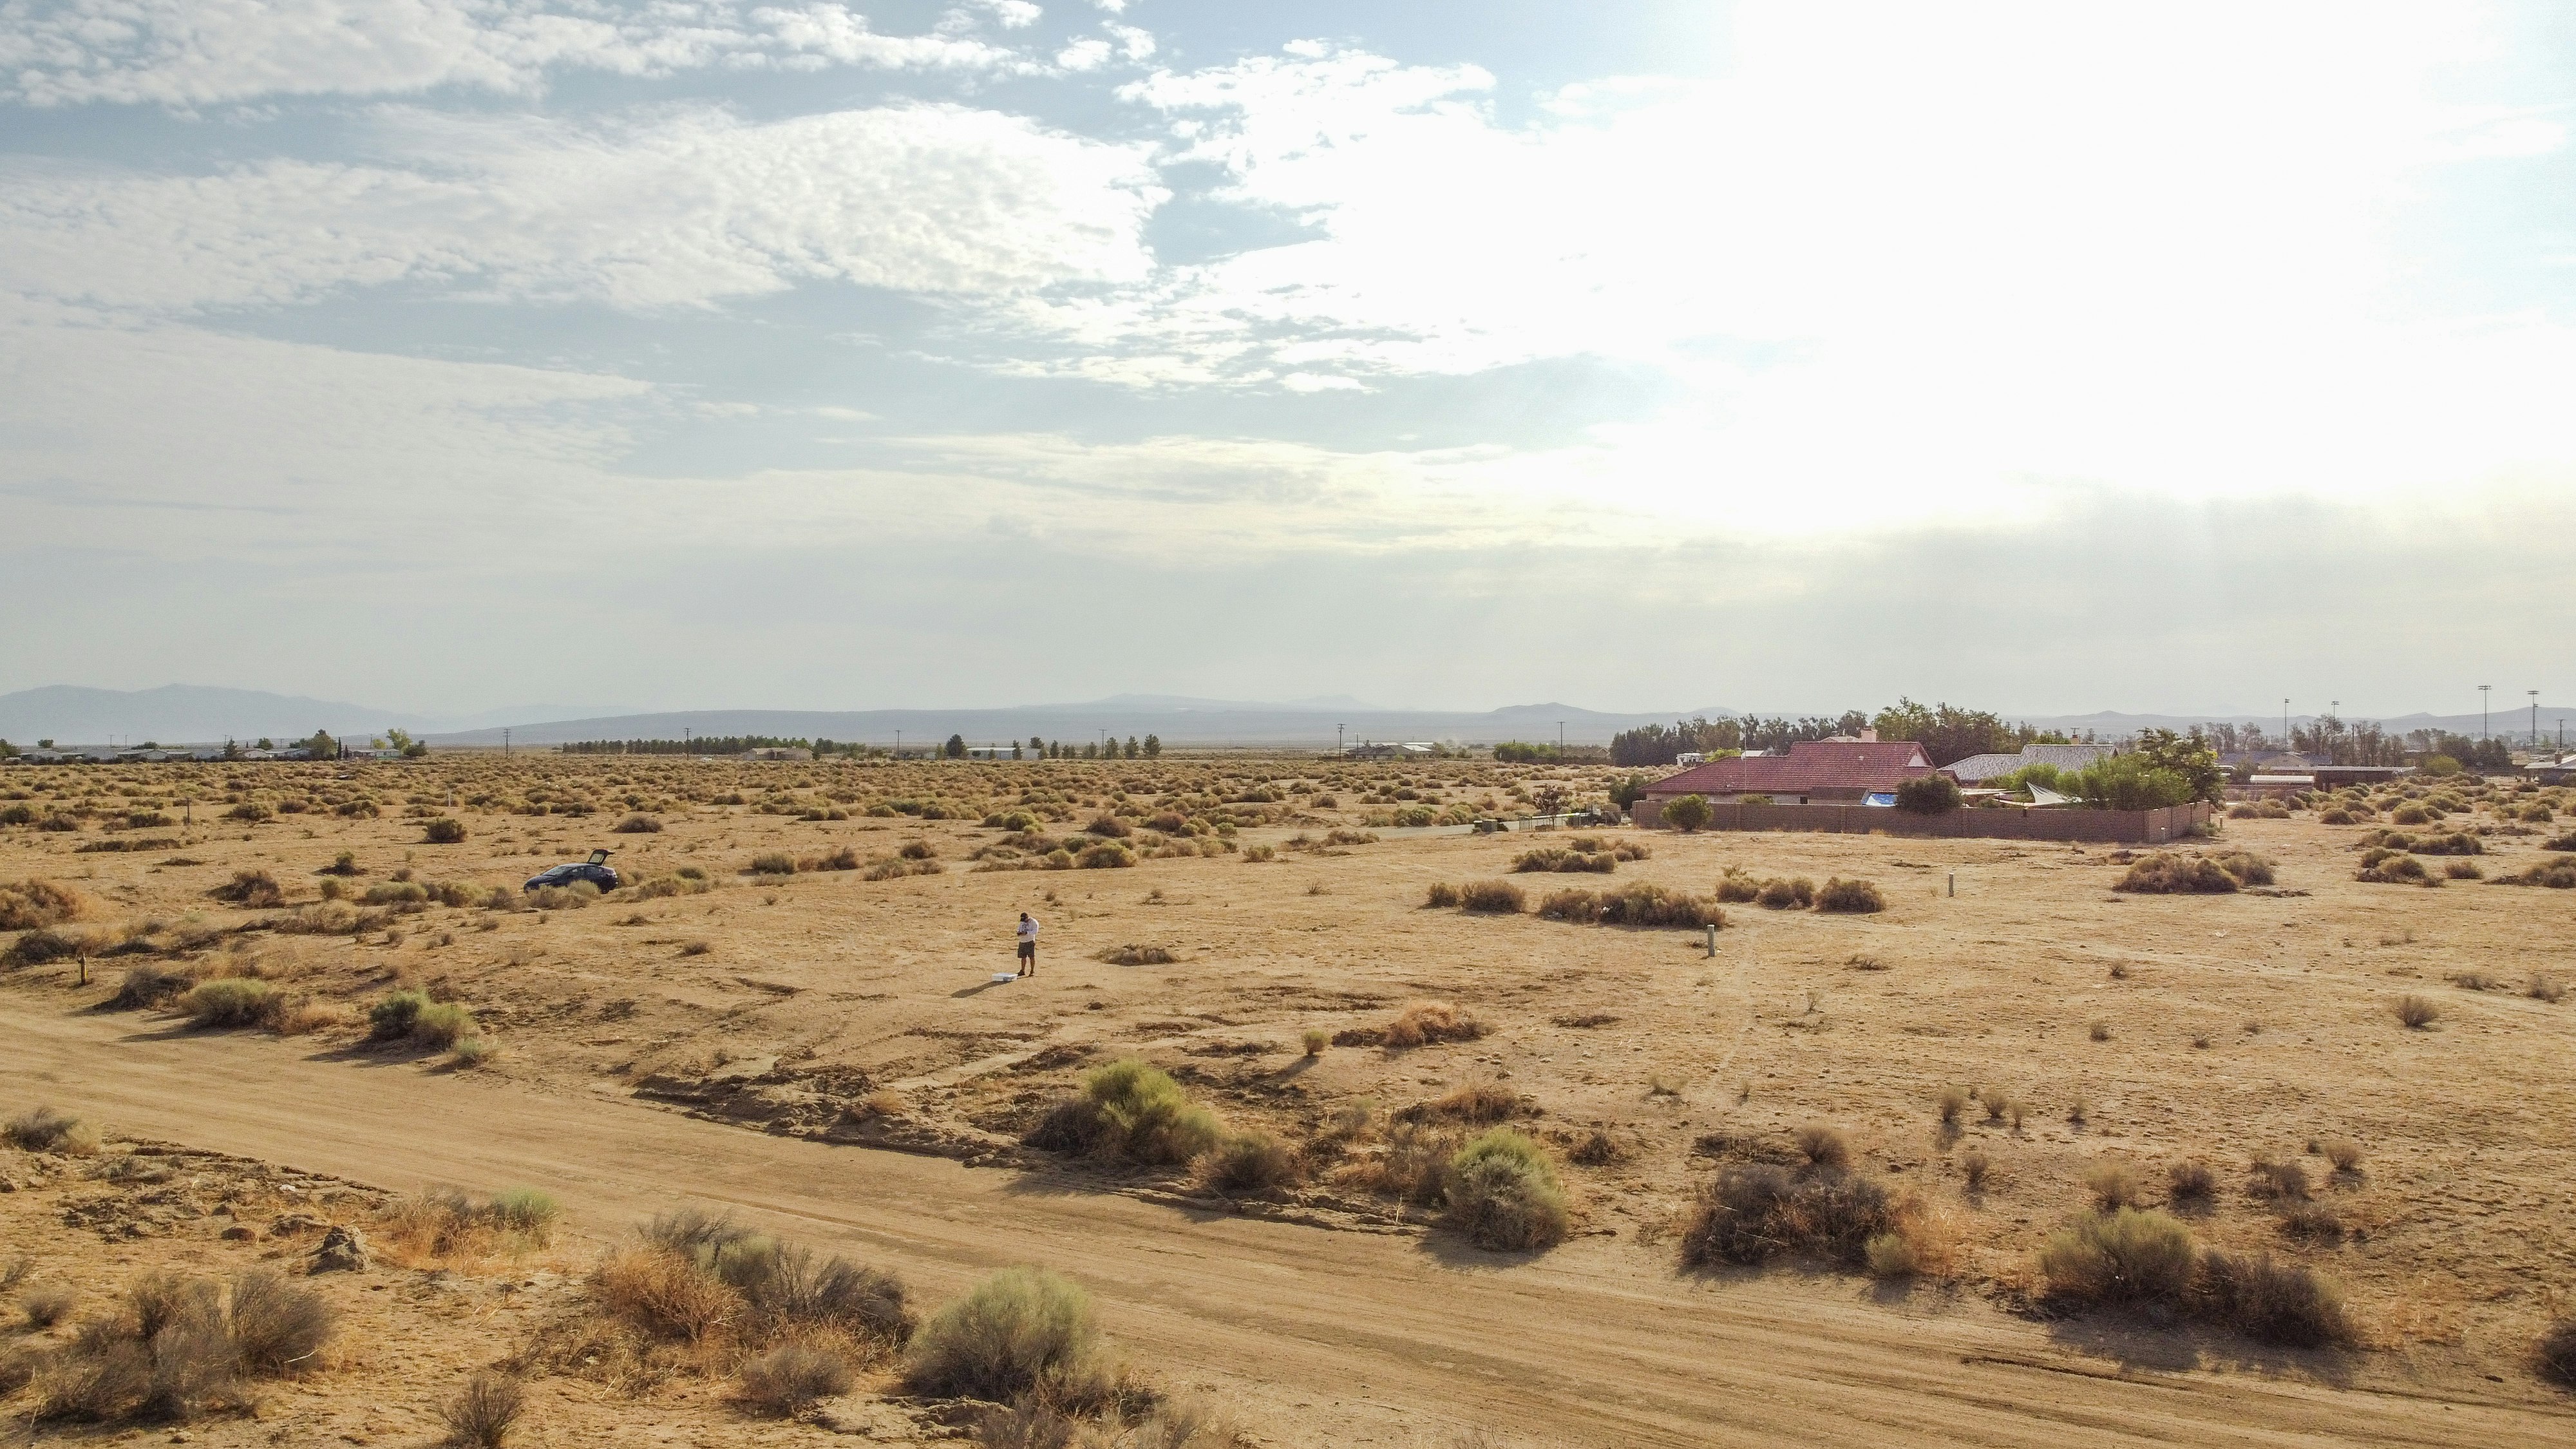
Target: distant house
778,752
1387,751
1977,769
1814,772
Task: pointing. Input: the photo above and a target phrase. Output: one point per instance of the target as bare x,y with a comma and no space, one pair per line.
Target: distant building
778,752
1814,772
1977,769
1417,750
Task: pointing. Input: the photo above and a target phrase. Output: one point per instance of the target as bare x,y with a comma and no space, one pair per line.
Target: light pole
505,744
1560,737
1337,742
2285,722
2535,717
2482,709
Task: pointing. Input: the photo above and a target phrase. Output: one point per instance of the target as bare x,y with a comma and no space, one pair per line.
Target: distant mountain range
177,714
196,714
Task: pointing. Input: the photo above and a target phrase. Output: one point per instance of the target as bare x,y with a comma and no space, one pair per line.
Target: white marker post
1712,942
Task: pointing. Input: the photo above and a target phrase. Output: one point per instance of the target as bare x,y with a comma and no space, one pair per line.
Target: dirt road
1317,1337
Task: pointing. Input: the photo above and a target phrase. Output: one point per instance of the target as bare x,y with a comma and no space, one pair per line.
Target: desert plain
824,1053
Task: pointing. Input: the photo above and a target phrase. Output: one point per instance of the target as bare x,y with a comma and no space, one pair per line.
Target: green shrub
1503,1193
1933,794
1016,1332
393,1015
231,1001
2126,1254
1129,1111
1689,813
1850,897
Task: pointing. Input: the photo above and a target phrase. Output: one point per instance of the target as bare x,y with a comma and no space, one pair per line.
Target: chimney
1868,736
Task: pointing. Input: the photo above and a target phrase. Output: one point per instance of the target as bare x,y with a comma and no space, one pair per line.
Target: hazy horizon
453,355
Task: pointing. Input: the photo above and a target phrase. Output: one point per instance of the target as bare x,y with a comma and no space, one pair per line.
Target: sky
451,354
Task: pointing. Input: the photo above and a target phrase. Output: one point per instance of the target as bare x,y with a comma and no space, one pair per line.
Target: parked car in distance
595,870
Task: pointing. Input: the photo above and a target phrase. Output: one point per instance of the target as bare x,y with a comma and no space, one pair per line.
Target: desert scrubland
1356,1129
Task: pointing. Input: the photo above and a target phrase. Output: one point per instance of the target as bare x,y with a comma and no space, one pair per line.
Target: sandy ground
834,1012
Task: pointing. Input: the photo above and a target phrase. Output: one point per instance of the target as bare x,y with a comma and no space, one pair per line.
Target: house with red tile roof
1814,772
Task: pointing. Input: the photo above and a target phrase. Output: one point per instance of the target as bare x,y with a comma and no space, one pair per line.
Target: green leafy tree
321,746
1949,733
2187,756
1626,793
2131,782
1133,749
955,749
1153,747
1037,747
1690,812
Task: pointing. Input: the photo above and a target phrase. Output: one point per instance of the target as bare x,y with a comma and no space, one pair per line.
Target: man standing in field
1028,945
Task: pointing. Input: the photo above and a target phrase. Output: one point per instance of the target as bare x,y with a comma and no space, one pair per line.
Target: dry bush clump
1440,897
2113,1184
771,862
255,889
1974,1168
1849,897
444,1224
1564,860
1640,904
2269,1301
1478,1102
1923,1242
1823,1145
2554,1355
178,1347
1491,898
46,1305
2191,1182
1422,1023
2165,874
638,824
1246,1164
1503,1193
1755,1212
29,905
2391,867
148,985
2415,1012
483,1413
1137,956
1734,887
2277,1179
42,1129
1776,894
2343,1152
789,1379
445,830
2552,874
1129,1111
232,1001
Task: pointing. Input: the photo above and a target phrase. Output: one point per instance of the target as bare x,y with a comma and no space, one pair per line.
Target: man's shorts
1028,950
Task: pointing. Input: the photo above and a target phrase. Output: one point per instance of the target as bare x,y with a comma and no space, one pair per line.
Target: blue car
595,870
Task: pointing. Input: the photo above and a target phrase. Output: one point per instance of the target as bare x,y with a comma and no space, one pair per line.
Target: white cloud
684,209
1088,54
200,52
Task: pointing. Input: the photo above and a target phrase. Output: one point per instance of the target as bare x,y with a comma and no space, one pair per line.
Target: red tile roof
1811,765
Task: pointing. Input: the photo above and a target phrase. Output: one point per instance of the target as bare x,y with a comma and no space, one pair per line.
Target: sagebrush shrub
1503,1193
482,1415
1851,897
2124,1254
1129,1111
1010,1334
1491,897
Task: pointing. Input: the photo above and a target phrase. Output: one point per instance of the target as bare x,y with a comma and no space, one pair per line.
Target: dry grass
2113,1184
1753,1213
30,905
1850,897
1423,1023
42,1129
1491,898
482,1415
2190,1182
1246,1164
1137,956
2415,1012
789,1379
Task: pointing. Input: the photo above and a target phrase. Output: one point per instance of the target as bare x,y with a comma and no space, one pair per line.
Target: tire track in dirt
1316,1337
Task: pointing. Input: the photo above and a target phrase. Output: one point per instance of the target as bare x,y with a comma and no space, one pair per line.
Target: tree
413,749
263,743
1037,747
1949,733
44,744
955,749
1690,812
1153,747
1133,749
1626,793
1934,794
321,746
2188,757
2132,782
1549,799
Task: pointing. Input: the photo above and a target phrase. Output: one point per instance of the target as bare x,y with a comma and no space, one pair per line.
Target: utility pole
2535,717
1560,737
2482,709
505,743
2285,721
1337,742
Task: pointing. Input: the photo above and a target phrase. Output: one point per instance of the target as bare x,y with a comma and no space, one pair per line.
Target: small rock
343,1249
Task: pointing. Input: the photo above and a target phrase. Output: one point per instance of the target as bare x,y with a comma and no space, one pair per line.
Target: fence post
1712,941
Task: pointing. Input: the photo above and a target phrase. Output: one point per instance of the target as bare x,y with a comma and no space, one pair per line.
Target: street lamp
1337,742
